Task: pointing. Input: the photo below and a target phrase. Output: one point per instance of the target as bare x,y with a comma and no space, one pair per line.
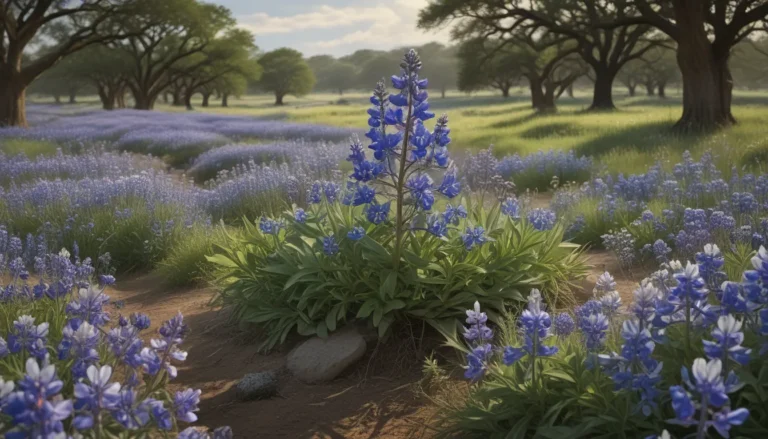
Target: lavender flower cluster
161,128
314,156
74,374
536,171
693,205
90,164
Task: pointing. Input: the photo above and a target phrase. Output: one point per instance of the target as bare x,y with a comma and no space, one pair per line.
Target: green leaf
387,289
221,260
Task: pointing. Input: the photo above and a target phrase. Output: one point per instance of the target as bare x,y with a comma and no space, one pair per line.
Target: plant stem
702,429
399,229
687,326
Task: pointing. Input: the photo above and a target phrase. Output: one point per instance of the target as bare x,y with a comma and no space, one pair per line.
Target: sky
334,27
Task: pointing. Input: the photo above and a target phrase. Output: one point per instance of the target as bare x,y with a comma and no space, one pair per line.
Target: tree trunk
225,100
278,99
142,101
707,81
649,89
165,98
341,92
547,104
107,96
505,91
188,101
602,96
442,92
631,89
12,98
72,97
206,99
120,97
176,95
662,92
569,90
537,97
57,99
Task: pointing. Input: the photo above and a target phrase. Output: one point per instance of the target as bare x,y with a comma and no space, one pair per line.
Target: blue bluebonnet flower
356,151
437,225
164,350
300,216
140,321
28,337
450,186
611,303
185,405
452,215
635,369
660,251
95,396
622,244
130,412
330,246
474,237
269,226
564,324
542,219
644,305
331,191
356,233
363,195
594,328
378,213
36,409
605,284
728,339
125,344
79,341
365,170
691,286
708,384
710,263
420,188
535,324
315,193
88,305
511,208
478,334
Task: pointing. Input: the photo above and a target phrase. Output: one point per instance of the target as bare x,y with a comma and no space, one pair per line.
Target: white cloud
382,26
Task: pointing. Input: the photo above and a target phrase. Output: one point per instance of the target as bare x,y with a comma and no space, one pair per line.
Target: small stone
259,385
320,360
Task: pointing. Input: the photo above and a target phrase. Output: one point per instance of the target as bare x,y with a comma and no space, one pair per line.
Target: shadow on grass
643,137
554,129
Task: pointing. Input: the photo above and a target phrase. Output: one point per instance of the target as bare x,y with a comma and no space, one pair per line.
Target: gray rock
319,360
259,385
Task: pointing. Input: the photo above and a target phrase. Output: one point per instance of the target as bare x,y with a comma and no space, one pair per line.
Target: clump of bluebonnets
83,373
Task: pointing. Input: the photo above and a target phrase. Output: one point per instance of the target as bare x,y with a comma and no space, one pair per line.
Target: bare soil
367,402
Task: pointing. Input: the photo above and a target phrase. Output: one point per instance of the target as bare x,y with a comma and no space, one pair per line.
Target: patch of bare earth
367,402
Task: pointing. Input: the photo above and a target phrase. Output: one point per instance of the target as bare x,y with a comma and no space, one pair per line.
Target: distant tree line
622,39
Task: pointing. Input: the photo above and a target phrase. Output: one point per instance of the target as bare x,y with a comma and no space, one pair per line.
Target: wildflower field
575,275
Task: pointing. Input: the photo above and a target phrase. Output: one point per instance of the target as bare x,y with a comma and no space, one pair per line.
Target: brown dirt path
381,406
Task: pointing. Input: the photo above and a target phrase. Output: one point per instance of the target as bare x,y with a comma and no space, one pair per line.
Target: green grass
628,140
30,148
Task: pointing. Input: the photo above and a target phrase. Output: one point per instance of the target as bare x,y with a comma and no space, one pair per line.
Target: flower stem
701,431
399,226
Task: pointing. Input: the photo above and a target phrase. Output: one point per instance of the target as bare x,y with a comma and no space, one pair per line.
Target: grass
30,148
627,140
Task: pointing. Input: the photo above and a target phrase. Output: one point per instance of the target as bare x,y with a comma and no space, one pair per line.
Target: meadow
285,222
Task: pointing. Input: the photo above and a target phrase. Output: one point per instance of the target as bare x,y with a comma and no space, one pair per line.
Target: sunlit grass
30,148
628,140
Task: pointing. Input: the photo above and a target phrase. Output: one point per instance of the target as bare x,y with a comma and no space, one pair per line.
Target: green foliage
135,242
30,148
185,261
285,73
285,282
332,75
482,65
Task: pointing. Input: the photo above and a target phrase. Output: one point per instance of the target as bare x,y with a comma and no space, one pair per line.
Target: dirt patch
365,403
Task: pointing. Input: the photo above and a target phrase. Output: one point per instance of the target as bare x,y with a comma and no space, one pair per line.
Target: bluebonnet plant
479,336
535,324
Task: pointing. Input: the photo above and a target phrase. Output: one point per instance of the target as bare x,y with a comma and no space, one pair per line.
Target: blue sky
335,27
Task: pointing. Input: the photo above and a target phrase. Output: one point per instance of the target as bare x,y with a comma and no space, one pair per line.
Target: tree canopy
285,72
